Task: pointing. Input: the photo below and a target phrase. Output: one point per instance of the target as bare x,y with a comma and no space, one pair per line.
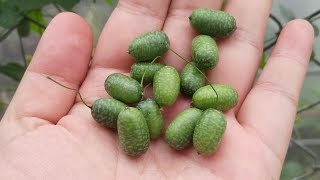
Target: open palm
47,133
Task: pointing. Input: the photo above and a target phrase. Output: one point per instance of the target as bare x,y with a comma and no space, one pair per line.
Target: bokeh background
22,23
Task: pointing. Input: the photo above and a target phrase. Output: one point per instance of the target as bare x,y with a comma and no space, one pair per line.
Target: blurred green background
22,23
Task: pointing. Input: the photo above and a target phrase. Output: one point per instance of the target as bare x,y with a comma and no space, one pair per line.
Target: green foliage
286,13
109,1
12,70
24,28
263,61
291,169
37,16
13,11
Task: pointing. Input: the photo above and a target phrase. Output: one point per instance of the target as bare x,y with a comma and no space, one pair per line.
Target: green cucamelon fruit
133,132
204,52
206,97
138,69
211,22
191,80
123,88
152,113
180,131
106,110
166,86
209,131
149,46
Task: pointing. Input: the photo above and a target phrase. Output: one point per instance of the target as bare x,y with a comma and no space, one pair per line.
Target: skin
46,133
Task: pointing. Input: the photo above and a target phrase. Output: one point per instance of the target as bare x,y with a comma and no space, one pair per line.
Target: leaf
12,70
9,17
24,28
66,4
263,61
316,29
286,13
109,1
297,119
37,16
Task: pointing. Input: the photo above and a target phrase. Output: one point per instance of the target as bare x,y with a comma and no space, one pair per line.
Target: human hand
47,133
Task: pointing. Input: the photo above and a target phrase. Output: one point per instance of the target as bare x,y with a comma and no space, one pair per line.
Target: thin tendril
48,77
144,73
196,68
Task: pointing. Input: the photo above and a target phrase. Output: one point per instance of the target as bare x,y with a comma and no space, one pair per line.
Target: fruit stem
48,77
189,62
144,73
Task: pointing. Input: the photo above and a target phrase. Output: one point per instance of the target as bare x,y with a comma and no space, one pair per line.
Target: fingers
63,53
270,108
240,54
179,31
129,19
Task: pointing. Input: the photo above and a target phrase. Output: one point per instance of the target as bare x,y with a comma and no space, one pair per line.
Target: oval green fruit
149,45
123,88
106,110
151,112
191,80
205,97
212,22
209,131
204,52
166,86
138,69
133,132
180,131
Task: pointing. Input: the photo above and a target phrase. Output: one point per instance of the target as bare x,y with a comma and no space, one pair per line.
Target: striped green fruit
138,69
123,88
152,113
149,46
133,132
209,131
206,97
166,86
204,52
211,22
191,80
105,111
180,131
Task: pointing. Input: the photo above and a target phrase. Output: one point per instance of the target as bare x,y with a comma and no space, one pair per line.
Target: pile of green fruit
203,125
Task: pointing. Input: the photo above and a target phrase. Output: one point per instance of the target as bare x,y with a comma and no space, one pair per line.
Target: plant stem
309,18
35,22
309,107
197,69
23,53
48,77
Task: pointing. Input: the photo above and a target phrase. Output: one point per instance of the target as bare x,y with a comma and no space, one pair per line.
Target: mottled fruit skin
149,45
166,86
191,80
204,52
180,131
209,131
211,22
106,110
205,97
123,88
151,112
150,69
133,132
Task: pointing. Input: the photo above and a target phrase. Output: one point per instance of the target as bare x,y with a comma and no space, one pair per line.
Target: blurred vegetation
30,17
